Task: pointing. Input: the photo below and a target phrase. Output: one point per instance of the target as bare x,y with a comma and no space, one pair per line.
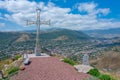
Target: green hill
54,33
70,34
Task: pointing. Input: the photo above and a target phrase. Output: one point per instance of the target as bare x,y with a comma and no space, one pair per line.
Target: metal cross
38,22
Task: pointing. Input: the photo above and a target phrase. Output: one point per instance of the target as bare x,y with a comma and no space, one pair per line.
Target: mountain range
57,34
64,34
50,34
106,33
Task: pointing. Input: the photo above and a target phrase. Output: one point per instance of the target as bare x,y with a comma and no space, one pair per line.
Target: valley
72,43
68,43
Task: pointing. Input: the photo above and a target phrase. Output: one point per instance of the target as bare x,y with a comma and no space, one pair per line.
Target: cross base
37,52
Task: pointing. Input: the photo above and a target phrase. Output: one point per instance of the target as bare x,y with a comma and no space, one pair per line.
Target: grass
5,62
12,67
13,70
69,61
114,75
105,77
10,72
97,74
17,56
10,75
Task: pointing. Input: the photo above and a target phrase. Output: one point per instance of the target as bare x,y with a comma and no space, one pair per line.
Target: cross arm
45,22
30,22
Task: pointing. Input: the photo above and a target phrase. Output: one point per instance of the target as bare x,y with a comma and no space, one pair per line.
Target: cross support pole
38,22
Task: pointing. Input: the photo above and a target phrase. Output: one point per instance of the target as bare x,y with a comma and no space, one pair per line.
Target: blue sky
70,14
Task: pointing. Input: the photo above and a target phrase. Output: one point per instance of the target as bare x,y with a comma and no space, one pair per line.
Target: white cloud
103,11
16,6
22,10
2,24
88,7
91,8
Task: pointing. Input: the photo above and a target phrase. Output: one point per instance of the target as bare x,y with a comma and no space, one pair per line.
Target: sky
69,14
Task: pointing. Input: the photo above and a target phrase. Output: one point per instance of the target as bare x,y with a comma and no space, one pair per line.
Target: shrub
67,60
17,57
94,72
13,70
105,77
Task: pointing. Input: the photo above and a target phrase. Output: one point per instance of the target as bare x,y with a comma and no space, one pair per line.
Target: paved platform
34,56
49,68
83,68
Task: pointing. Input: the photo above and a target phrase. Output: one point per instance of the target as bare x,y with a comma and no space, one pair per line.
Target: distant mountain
8,35
49,34
105,31
108,33
59,34
6,38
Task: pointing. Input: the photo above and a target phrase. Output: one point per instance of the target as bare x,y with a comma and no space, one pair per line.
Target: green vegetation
97,74
69,61
17,57
105,77
13,70
71,34
94,72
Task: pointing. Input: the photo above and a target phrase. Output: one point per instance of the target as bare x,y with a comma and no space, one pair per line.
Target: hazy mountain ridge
71,34
106,33
18,38
54,33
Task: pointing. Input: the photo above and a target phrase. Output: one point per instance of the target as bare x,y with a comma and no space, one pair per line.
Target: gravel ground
49,68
